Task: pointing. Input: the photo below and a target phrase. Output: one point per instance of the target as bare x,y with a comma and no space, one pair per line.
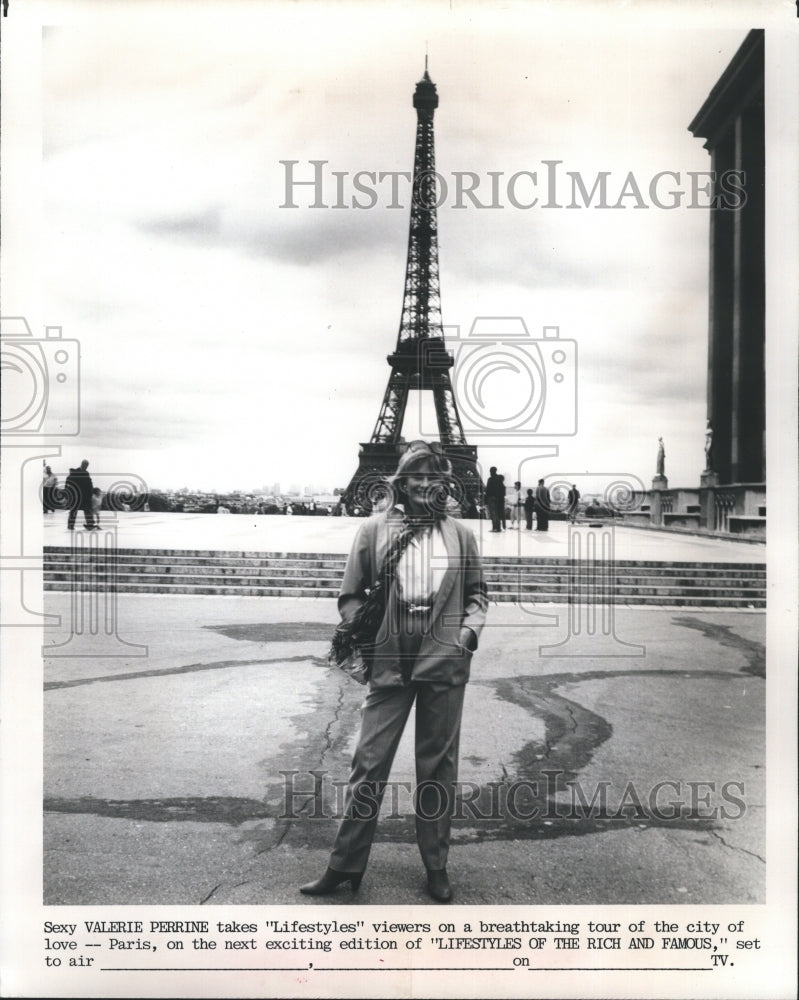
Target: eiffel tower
421,360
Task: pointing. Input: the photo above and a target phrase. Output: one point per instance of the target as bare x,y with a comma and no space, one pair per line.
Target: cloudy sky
229,342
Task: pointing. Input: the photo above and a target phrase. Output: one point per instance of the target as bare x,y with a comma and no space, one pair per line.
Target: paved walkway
166,763
243,533
166,774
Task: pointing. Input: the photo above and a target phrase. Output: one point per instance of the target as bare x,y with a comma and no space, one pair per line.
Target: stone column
659,483
707,500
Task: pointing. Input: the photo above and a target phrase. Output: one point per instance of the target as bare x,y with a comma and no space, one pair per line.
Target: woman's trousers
384,714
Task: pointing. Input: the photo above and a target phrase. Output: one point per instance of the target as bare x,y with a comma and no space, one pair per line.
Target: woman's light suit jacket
460,600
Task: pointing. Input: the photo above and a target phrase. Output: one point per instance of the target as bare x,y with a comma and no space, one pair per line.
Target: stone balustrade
734,508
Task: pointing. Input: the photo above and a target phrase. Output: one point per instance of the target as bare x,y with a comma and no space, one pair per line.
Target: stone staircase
513,579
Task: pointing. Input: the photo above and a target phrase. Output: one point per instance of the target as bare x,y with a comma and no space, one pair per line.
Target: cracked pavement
211,770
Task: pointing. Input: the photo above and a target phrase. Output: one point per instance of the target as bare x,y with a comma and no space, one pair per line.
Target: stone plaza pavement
623,766
334,535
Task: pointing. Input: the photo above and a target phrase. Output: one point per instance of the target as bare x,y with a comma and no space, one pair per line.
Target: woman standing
434,611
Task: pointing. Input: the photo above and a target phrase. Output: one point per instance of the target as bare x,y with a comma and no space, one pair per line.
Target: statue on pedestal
709,478
661,460
708,448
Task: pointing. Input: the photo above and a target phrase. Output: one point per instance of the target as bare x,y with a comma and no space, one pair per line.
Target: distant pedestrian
573,498
79,489
504,508
529,509
49,484
518,506
495,497
542,507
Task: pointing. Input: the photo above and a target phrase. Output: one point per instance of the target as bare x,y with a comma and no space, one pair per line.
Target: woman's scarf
352,643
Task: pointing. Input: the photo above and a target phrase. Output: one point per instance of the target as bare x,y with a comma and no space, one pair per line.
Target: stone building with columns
731,121
731,496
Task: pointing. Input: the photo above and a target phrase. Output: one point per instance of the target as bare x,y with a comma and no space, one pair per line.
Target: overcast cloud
228,342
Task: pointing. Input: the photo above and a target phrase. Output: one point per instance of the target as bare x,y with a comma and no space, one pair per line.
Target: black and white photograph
399,448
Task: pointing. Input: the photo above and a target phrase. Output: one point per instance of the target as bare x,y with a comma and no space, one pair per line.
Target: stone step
589,585
170,556
511,578
497,573
589,595
634,598
493,575
493,569
191,572
202,553
287,578
199,580
209,559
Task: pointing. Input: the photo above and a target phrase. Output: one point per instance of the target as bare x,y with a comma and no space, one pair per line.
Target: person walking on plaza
495,497
49,484
79,489
504,508
529,509
518,507
435,608
542,507
573,498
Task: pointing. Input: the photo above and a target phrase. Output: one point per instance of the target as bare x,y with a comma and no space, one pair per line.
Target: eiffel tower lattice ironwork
421,360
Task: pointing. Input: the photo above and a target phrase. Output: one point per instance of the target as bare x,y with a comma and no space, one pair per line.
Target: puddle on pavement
755,652
526,804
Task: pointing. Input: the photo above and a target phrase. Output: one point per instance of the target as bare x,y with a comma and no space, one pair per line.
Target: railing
735,508
724,504
739,503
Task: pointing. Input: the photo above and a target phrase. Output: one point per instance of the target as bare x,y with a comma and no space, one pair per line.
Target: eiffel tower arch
420,360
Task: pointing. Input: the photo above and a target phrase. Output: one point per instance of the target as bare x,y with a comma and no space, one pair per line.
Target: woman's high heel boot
330,881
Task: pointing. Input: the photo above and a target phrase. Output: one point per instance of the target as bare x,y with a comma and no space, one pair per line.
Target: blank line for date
417,968
621,968
316,968
204,968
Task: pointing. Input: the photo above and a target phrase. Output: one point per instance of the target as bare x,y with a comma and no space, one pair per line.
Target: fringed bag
352,647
